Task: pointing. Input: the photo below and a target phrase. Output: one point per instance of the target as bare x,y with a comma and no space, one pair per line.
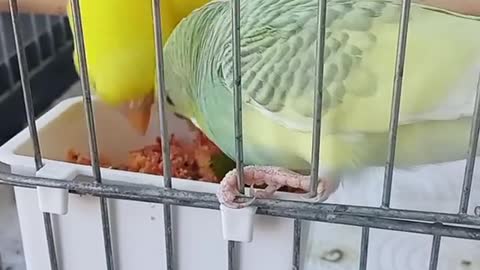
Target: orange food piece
188,161
75,157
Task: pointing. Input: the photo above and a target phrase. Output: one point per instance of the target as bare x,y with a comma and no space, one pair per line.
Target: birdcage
87,217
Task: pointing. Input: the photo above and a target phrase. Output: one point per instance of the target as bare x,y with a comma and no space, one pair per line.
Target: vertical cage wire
94,155
25,82
435,252
364,248
297,239
318,96
237,91
472,154
167,212
28,101
161,94
231,255
5,59
237,115
232,249
317,123
395,109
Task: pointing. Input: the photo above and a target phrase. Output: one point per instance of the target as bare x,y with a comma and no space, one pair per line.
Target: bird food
201,160
189,161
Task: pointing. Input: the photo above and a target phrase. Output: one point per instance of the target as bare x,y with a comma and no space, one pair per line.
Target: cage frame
460,225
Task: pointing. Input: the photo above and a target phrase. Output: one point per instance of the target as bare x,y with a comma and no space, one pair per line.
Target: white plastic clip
54,200
237,224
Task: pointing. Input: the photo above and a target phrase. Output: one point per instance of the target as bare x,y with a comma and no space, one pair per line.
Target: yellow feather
119,41
355,134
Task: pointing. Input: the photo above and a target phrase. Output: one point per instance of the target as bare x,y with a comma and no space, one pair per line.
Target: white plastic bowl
137,227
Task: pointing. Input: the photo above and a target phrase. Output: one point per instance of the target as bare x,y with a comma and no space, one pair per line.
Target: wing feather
278,40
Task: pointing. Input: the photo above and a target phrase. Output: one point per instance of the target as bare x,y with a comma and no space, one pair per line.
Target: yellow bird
120,50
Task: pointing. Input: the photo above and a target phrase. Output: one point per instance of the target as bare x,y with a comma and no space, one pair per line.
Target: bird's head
137,108
121,52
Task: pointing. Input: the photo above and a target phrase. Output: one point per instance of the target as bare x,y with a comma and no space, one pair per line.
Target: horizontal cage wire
29,42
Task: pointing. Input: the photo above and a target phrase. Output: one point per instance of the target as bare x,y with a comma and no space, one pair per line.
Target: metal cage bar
297,239
149,193
237,93
28,101
88,106
395,110
472,153
237,117
318,96
435,252
232,249
167,175
405,220
364,248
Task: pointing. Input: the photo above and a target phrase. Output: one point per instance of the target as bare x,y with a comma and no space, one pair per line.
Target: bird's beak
138,113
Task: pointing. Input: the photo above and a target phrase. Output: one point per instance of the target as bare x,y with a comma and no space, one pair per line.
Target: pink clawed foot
274,178
325,188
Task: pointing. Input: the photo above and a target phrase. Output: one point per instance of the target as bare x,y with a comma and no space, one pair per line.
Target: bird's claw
275,178
325,188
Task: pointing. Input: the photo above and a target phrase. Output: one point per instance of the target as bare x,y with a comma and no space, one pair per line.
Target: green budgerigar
278,45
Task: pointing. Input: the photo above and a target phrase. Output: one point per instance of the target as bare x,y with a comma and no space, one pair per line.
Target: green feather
221,164
278,45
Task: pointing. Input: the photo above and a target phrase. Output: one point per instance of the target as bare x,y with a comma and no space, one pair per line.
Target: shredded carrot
188,161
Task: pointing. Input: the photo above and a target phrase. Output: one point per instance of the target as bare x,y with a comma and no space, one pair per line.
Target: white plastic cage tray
138,231
137,227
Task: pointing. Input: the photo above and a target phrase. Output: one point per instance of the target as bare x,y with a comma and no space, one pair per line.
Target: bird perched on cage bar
278,42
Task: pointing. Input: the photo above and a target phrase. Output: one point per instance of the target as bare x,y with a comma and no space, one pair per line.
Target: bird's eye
169,100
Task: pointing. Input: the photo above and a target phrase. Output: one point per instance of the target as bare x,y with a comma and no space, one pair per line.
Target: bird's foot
274,178
326,187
